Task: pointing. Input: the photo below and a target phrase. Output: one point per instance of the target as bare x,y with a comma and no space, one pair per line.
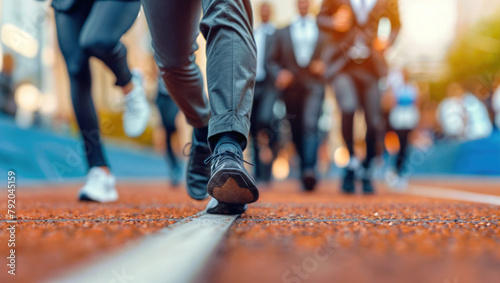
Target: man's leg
100,37
374,126
311,114
69,26
101,34
264,118
403,146
294,111
174,28
168,112
231,67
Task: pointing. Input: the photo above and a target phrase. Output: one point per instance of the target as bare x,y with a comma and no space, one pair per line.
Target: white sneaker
137,109
99,187
396,182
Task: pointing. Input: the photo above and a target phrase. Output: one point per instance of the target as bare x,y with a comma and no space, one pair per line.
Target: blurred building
469,12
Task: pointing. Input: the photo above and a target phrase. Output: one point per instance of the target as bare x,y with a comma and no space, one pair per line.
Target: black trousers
403,136
303,103
94,29
359,88
168,112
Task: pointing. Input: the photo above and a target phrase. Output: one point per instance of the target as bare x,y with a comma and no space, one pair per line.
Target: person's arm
334,18
282,77
317,67
324,18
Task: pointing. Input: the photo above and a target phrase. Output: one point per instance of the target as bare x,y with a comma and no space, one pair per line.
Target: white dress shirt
362,9
260,34
304,33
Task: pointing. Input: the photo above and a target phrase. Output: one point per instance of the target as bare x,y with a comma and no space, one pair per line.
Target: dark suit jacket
342,41
281,56
268,45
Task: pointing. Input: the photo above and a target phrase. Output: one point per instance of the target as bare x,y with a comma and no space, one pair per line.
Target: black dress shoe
198,173
309,180
368,187
230,182
348,186
218,207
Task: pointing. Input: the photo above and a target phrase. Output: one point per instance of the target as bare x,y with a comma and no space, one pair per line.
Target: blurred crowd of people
341,48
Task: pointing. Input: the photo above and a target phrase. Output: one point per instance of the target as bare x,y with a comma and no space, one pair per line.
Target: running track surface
288,236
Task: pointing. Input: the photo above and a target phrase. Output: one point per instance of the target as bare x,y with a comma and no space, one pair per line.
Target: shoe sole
86,198
227,209
232,187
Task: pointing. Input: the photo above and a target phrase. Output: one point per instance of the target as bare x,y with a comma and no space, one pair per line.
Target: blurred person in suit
7,102
263,133
360,32
93,28
404,116
495,101
295,64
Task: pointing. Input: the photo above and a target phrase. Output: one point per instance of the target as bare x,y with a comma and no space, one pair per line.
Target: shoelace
185,147
225,155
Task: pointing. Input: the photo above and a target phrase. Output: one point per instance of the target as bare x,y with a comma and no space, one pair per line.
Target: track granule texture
287,236
290,236
55,232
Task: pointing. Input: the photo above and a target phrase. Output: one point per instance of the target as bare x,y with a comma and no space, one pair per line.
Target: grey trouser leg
231,59
174,29
354,89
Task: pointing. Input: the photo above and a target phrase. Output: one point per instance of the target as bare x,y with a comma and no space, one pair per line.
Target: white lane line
438,192
178,253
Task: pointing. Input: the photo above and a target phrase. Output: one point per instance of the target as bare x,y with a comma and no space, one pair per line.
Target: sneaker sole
86,198
232,187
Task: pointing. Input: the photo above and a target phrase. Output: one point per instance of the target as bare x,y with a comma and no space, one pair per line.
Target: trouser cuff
229,122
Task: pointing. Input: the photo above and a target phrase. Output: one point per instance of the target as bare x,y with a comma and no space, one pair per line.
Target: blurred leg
168,112
231,65
373,116
347,98
100,36
403,146
255,128
69,26
312,112
294,111
265,119
174,29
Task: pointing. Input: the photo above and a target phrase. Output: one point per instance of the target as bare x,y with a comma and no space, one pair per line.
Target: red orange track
328,236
